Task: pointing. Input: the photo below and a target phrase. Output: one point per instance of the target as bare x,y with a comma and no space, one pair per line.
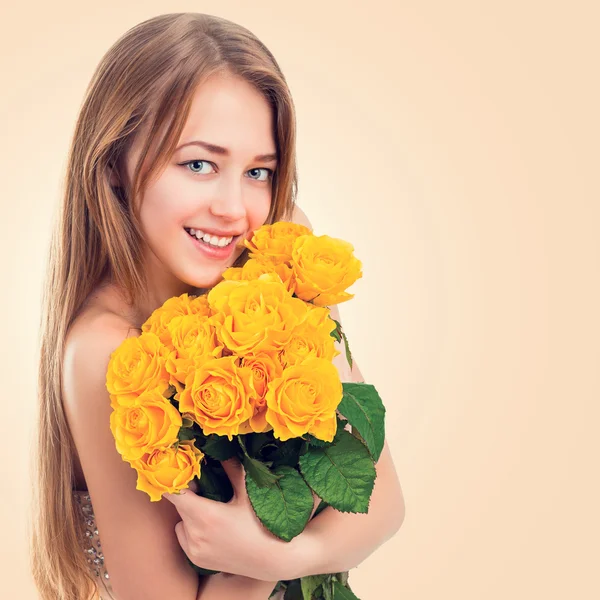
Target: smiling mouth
223,242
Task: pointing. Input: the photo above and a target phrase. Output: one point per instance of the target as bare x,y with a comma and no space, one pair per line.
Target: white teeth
210,239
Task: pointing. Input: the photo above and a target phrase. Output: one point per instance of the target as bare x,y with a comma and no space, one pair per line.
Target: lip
214,251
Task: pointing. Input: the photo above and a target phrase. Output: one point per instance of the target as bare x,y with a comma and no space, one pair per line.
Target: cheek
161,210
258,212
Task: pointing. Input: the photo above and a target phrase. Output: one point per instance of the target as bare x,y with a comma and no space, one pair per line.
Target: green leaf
357,435
337,332
255,442
322,506
258,470
266,450
309,584
187,423
341,592
318,594
280,586
220,447
348,353
284,508
286,453
186,434
364,409
327,588
214,483
293,591
343,475
316,442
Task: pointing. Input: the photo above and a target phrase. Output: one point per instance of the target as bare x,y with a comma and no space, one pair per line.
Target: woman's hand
229,537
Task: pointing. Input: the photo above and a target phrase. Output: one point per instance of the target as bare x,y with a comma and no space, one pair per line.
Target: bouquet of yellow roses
246,371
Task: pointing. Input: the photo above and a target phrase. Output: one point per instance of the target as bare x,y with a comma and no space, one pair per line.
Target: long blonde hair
146,79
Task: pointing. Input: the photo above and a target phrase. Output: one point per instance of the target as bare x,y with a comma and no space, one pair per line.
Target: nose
229,202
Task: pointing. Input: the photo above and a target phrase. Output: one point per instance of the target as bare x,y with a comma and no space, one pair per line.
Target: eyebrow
223,151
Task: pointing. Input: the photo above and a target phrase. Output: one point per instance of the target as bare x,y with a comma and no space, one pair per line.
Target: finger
176,499
184,540
187,502
237,475
182,537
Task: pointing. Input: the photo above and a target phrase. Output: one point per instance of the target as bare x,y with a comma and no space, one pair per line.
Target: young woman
184,145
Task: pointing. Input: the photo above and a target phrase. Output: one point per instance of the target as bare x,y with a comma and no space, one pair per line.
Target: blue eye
191,162
268,172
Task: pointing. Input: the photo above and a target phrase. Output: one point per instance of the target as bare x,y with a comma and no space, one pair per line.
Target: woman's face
223,191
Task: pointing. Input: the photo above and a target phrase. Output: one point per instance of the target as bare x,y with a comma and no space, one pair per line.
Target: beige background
456,145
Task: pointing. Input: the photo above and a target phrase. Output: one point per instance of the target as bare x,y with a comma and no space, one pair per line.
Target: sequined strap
92,544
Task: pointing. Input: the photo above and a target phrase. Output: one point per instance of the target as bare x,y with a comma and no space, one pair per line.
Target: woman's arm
141,551
228,536
224,586
334,541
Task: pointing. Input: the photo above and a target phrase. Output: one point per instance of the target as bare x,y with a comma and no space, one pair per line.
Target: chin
206,284
208,281
207,276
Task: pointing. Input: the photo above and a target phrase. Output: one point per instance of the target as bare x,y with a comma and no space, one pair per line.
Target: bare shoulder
141,550
96,330
299,216
90,341
101,320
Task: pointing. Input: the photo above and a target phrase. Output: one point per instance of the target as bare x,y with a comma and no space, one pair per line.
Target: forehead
228,111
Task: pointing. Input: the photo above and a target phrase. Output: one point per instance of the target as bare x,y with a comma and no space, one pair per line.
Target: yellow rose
141,428
312,337
217,396
324,267
304,400
194,338
255,267
137,365
179,305
168,470
255,316
275,241
264,368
